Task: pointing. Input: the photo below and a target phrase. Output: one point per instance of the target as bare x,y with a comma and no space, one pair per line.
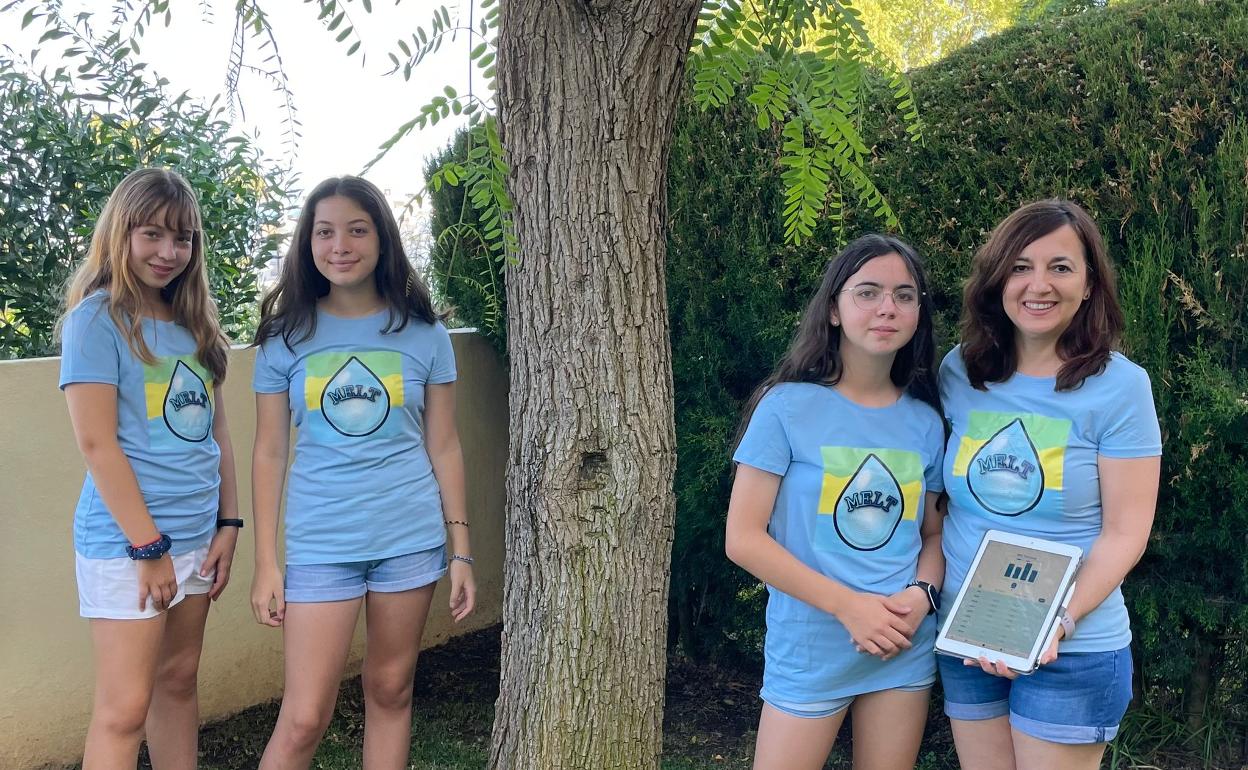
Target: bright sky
346,109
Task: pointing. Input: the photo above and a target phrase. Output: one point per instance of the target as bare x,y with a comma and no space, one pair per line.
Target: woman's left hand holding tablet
998,667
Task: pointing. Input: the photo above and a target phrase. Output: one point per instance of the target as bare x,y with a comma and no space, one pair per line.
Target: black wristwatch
933,594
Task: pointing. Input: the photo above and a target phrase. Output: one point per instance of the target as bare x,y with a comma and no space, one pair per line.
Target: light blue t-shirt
1022,458
164,427
361,487
850,506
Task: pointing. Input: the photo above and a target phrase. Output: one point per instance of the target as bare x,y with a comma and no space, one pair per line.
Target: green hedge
1140,113
62,150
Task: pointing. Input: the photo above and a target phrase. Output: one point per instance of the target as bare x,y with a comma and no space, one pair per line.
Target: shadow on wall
45,657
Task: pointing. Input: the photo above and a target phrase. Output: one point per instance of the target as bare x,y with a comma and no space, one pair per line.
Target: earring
411,284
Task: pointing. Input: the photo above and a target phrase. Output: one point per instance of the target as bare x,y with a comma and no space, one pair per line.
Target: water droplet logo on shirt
187,410
354,401
1006,475
870,506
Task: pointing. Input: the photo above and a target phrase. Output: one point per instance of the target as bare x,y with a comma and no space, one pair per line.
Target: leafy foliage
1138,112
68,136
467,264
914,33
808,62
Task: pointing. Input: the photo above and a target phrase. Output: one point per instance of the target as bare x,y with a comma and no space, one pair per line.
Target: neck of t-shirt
352,308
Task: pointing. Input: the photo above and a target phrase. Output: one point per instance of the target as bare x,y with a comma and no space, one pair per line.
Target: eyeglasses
868,296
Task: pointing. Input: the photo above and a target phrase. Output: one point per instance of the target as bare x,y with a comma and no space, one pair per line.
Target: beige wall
45,654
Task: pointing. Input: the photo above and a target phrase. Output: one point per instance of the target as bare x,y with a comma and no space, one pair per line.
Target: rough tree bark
587,93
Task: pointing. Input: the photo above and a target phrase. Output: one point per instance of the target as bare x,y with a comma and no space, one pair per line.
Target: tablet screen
1008,597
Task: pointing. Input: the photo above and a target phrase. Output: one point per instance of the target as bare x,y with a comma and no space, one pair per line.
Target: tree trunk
587,93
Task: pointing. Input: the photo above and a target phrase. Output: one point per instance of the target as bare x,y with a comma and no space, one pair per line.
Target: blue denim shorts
836,705
1078,698
351,580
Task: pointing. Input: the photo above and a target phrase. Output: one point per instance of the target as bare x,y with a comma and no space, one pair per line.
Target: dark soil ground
710,718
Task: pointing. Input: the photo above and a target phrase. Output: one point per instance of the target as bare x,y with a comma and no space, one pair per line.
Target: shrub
63,147
1139,113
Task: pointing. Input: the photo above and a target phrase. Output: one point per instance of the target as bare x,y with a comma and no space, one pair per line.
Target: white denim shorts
109,588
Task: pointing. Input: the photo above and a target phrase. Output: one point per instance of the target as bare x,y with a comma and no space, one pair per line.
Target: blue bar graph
1024,574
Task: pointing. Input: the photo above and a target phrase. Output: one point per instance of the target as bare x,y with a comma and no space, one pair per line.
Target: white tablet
1010,600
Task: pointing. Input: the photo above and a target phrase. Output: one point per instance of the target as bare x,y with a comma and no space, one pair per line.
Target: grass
710,718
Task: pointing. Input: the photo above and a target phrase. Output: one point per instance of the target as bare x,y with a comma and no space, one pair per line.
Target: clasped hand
883,625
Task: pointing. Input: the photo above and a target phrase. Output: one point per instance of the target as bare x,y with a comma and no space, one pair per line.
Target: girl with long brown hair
143,359
834,508
352,352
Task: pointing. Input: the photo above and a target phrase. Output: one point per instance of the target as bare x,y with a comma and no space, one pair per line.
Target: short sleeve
442,367
90,346
765,444
1132,429
934,473
272,372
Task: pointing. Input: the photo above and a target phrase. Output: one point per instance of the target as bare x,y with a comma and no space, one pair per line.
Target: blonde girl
143,359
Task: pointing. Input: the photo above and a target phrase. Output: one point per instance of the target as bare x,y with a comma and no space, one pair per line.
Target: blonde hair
148,196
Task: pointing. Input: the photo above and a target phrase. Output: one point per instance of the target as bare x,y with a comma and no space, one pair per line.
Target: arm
875,623
268,474
221,551
1128,503
442,443
93,414
931,568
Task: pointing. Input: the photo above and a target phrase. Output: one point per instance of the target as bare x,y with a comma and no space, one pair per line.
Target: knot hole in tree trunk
594,471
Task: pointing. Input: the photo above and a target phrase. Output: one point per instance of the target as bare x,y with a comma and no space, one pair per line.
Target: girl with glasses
834,508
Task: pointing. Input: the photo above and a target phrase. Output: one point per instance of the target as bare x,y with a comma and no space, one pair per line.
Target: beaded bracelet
153,550
465,559
460,523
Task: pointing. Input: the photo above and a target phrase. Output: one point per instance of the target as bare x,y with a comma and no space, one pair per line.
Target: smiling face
158,253
886,327
1047,284
345,245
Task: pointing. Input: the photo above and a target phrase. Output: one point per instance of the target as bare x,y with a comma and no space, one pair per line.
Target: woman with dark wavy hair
1055,436
833,507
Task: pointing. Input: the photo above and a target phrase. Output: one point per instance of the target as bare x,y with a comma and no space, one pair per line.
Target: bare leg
786,742
888,728
125,653
984,744
1035,754
317,638
173,717
396,622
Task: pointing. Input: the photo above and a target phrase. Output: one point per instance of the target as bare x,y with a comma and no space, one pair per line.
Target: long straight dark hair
290,308
988,347
814,355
